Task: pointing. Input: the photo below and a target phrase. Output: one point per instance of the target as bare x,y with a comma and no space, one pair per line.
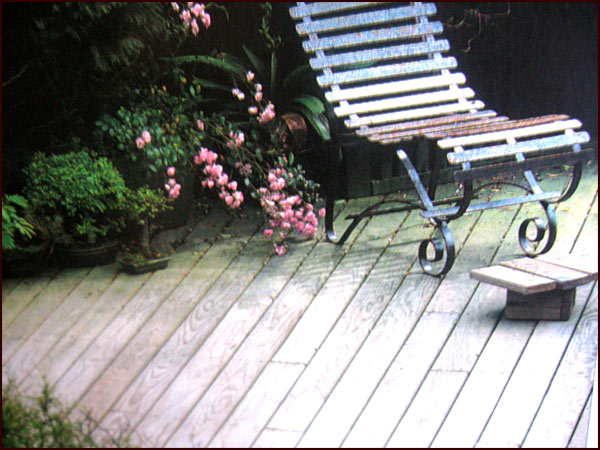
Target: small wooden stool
542,288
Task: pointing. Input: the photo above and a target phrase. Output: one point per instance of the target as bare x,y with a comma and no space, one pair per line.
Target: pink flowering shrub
238,149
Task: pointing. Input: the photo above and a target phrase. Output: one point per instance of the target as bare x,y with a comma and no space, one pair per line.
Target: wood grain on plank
59,321
563,404
260,345
175,356
37,310
17,294
527,386
514,279
565,278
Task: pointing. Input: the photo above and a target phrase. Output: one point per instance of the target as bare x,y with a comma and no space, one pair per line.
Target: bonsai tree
81,198
144,205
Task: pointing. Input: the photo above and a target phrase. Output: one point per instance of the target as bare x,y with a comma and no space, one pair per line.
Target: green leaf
221,63
311,102
318,122
273,73
257,65
207,84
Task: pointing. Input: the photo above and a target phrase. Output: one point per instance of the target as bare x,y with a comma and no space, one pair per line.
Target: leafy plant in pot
22,246
81,199
139,257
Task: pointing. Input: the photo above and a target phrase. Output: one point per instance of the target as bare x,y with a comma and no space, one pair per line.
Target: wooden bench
385,81
542,288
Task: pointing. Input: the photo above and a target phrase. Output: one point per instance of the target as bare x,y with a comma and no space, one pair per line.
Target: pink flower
197,9
235,92
171,171
210,184
322,212
250,75
239,140
167,187
241,96
268,114
253,110
139,142
195,27
186,17
173,194
172,182
258,87
280,250
200,125
232,185
238,196
258,96
205,18
268,233
228,199
222,180
175,6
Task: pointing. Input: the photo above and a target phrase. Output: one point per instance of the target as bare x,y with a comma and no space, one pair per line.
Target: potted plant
139,256
81,199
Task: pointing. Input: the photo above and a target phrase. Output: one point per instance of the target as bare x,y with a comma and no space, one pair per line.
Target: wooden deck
327,346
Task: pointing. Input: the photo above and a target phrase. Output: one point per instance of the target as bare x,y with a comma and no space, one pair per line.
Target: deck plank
360,373
526,388
258,348
571,385
247,420
330,302
373,429
128,365
17,294
173,363
580,435
10,284
170,409
421,421
477,399
364,305
37,310
116,337
40,341
387,354
80,334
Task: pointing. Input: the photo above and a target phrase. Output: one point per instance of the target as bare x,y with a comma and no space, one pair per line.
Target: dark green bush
84,194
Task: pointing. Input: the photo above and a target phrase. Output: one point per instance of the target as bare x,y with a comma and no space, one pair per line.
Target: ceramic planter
97,255
145,266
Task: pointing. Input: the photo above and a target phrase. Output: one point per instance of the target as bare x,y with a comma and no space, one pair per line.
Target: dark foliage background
64,65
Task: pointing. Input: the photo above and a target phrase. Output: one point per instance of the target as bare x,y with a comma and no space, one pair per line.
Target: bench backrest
382,67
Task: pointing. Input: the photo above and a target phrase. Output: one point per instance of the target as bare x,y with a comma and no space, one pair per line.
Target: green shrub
14,224
41,424
82,193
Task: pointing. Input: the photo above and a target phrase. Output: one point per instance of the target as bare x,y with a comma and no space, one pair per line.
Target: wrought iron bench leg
442,241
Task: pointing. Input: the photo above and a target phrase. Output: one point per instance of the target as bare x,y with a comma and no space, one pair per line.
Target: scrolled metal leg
329,216
443,250
532,244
